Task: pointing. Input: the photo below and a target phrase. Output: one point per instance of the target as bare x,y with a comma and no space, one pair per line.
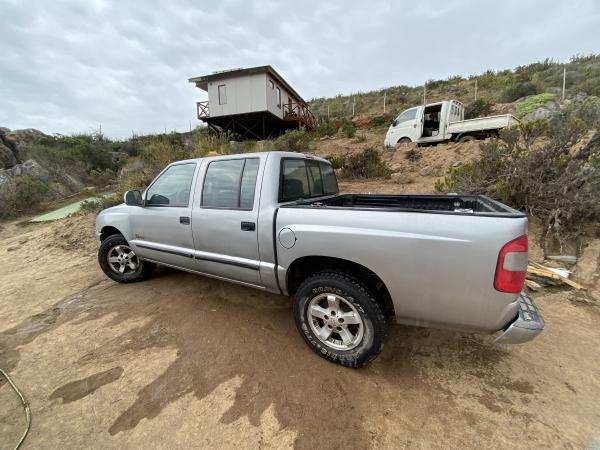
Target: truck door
224,219
407,125
162,227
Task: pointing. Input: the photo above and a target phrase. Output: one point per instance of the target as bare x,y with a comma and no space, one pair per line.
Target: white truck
443,121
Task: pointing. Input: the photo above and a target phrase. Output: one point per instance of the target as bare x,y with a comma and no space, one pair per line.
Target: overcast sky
70,65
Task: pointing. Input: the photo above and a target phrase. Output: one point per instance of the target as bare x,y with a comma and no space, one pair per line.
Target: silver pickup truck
275,221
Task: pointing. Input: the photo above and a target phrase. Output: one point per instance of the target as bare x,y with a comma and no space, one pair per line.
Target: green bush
532,103
478,108
534,168
366,164
97,204
348,128
337,161
517,91
293,141
22,195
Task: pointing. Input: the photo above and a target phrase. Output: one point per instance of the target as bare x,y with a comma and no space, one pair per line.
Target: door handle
248,226
184,220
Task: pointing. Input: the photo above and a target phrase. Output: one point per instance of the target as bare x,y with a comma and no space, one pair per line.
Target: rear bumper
527,326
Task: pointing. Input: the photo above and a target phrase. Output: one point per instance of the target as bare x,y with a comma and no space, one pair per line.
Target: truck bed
482,123
477,205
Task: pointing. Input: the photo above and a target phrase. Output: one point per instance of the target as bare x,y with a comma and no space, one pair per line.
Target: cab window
301,178
230,184
172,187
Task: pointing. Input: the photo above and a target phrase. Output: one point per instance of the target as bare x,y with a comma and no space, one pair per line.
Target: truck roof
251,155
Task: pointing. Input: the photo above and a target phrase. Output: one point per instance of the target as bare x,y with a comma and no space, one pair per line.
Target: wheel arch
305,266
107,231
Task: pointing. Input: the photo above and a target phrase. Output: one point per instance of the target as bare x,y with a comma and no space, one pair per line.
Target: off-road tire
362,300
467,138
403,142
143,271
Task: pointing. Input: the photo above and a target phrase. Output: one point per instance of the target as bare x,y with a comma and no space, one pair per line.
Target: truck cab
425,123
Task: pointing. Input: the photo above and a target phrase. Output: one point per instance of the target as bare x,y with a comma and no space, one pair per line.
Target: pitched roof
203,80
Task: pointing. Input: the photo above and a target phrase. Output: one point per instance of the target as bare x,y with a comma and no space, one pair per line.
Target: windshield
302,178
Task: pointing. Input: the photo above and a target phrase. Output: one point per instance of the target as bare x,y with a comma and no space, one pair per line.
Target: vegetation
22,195
366,164
544,171
348,128
532,103
293,141
479,108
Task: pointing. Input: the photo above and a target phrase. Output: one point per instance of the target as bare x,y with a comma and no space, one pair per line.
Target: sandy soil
182,360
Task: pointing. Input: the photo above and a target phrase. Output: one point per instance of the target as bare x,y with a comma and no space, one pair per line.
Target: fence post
475,89
564,83
384,99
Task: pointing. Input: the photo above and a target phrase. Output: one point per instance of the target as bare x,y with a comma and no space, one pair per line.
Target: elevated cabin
253,103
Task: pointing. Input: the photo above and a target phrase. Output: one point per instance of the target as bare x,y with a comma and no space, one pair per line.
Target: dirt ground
183,360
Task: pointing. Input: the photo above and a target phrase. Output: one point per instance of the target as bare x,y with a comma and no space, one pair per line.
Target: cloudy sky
70,65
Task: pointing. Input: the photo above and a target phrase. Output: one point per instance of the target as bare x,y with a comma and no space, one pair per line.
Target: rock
425,171
550,111
587,265
19,140
4,130
401,178
29,167
457,164
13,248
7,157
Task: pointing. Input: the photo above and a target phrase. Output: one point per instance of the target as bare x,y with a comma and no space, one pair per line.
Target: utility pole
475,89
564,83
384,99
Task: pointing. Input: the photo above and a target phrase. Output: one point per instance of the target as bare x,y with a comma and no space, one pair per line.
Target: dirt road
186,361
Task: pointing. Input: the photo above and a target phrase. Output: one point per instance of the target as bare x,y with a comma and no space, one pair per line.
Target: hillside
498,89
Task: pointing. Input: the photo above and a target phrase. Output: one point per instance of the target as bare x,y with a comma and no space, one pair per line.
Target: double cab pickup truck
275,221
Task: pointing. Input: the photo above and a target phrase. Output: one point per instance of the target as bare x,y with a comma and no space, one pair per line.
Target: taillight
512,266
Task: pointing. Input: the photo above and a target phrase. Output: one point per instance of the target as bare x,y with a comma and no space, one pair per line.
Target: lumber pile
539,275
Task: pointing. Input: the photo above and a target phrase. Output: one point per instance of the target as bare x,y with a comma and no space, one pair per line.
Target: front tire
339,319
120,263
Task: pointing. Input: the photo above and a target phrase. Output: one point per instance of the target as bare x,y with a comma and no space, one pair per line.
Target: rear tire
339,319
403,142
467,138
120,263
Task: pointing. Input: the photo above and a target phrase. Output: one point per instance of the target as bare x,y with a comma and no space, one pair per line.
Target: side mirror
395,122
133,198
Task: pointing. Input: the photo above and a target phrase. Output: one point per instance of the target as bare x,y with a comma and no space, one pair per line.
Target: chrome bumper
528,324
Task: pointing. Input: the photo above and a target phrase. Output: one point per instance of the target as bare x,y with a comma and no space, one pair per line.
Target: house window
278,98
271,85
222,94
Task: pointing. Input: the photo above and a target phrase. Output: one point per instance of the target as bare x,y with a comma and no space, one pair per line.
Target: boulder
550,111
7,157
4,130
28,168
19,140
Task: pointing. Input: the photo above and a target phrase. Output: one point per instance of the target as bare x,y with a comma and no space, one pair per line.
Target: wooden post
384,99
475,89
353,104
564,83
327,110
425,93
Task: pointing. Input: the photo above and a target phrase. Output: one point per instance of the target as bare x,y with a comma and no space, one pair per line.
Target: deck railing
202,109
299,112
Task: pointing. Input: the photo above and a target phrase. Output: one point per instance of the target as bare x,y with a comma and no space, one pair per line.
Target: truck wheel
339,319
119,262
404,142
467,138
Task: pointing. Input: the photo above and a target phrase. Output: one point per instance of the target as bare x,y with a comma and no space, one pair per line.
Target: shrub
366,164
327,128
97,204
361,137
518,91
348,128
546,179
478,108
293,141
532,103
337,161
22,195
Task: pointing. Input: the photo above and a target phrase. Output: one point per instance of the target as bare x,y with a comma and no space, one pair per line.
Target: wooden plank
543,271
